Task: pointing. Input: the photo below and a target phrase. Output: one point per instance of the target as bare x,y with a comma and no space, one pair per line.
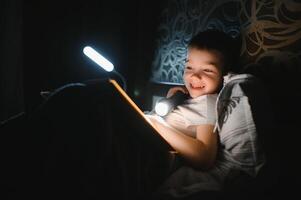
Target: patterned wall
270,30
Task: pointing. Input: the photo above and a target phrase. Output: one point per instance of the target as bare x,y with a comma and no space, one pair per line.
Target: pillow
236,126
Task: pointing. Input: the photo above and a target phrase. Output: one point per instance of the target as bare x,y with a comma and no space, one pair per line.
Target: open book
130,101
136,108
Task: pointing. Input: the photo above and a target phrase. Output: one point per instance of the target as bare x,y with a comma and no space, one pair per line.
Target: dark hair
217,40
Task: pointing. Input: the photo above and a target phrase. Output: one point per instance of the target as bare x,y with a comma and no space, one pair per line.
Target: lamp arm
122,79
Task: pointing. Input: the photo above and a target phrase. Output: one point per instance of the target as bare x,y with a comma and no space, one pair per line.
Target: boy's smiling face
203,71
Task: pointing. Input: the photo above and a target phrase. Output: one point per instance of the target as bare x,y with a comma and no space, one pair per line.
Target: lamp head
98,59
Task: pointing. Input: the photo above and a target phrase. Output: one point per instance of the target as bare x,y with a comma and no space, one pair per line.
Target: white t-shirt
239,148
193,112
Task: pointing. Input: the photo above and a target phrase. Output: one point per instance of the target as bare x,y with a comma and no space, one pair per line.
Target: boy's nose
197,75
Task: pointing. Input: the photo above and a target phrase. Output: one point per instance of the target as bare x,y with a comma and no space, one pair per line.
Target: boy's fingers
173,90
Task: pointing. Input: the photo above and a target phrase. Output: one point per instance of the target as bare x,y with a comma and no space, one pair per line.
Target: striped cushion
237,130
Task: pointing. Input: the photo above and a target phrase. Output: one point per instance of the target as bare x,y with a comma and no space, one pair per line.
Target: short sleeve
193,112
201,110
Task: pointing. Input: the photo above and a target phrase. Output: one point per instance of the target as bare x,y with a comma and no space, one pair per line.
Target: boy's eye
208,70
188,68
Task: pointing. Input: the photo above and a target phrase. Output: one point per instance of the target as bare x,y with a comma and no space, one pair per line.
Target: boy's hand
173,90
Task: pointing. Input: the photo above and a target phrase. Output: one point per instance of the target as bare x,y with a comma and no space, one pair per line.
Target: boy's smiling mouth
197,86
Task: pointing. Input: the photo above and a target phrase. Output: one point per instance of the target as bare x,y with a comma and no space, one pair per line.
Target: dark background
42,42
41,46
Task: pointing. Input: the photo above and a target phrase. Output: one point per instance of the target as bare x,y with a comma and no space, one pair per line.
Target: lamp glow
162,108
99,59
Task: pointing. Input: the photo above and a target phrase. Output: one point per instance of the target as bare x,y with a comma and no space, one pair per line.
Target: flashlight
165,105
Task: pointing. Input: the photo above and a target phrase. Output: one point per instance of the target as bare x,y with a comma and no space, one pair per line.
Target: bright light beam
162,108
99,59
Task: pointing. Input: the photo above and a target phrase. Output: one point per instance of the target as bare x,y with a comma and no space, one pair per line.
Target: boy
189,128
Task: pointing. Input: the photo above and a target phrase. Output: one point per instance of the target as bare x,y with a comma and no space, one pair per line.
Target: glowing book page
134,105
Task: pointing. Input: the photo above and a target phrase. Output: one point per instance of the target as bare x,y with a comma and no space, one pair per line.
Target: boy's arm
199,152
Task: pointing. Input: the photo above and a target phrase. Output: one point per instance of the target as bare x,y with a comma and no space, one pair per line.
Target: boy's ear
221,83
224,69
